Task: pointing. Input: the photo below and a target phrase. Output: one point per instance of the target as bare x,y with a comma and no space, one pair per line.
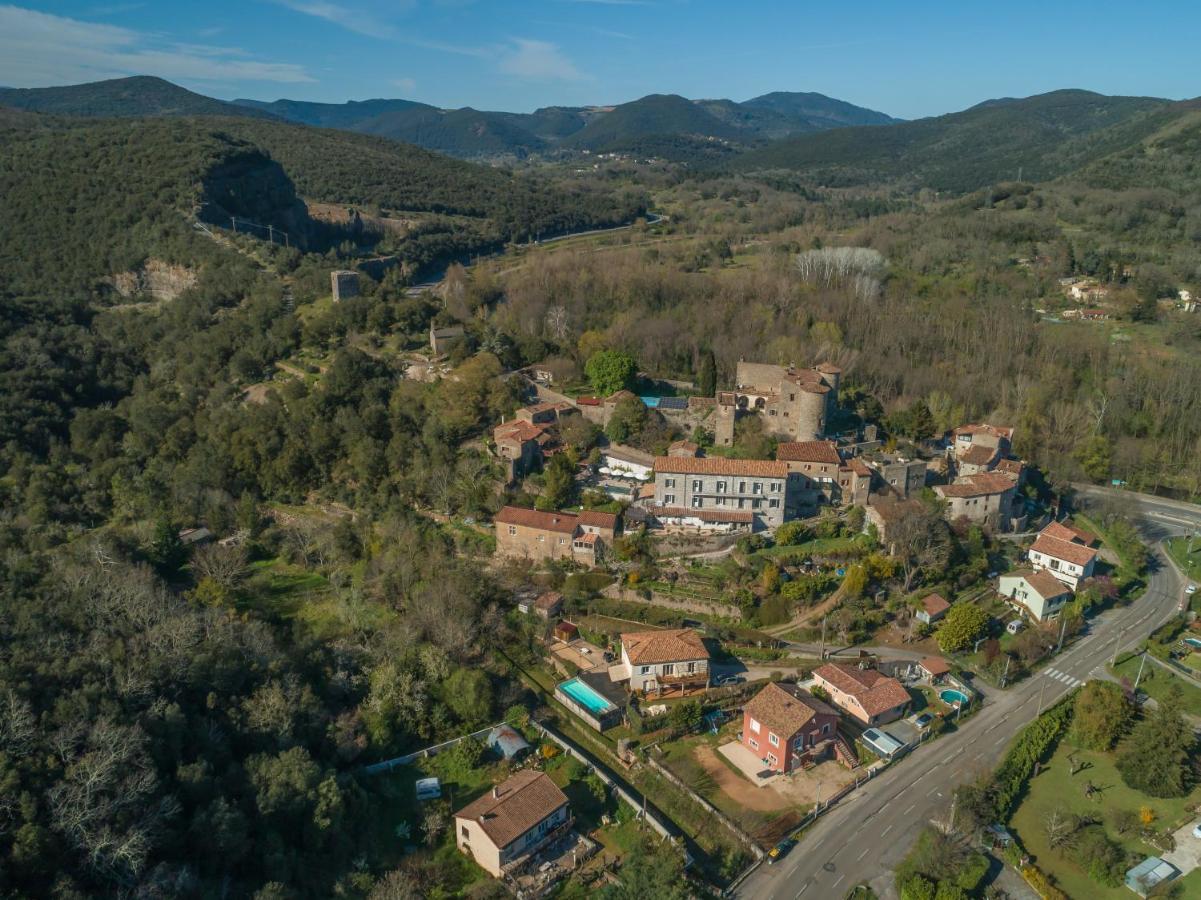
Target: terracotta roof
588,539
785,708
515,806
561,522
597,519
1066,531
549,600
705,515
981,484
588,401
829,368
518,430
935,665
648,647
809,451
984,428
876,693
814,388
1043,583
934,604
1012,466
978,455
718,465
621,395
1065,550
859,467
646,492
688,447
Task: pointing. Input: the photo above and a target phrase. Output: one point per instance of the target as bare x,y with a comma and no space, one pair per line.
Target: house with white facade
1039,595
654,661
1071,561
755,486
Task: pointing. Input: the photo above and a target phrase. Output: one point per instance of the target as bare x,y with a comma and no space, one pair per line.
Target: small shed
1152,871
933,608
549,605
199,535
934,668
506,741
566,631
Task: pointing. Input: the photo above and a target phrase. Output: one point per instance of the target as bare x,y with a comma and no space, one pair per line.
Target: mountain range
471,133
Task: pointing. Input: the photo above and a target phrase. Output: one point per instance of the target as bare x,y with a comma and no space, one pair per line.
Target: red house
786,728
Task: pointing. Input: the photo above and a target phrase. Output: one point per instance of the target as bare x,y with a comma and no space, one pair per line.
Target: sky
909,59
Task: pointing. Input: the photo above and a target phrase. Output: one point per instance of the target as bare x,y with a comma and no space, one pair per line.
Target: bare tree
1058,826
918,538
224,565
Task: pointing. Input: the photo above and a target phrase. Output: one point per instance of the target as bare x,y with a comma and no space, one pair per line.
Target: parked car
721,680
1197,830
1015,626
780,850
1191,589
922,720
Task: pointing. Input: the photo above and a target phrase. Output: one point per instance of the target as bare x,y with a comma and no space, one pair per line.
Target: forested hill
140,95
1038,138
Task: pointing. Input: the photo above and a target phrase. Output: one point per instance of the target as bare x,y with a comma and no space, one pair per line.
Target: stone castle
795,403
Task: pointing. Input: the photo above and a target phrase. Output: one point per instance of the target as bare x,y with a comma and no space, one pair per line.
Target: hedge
1033,744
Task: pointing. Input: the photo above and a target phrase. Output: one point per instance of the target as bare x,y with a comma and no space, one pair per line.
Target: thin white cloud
540,60
38,49
351,19
408,85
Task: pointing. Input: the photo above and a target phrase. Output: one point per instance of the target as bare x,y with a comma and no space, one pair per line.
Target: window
755,726
758,487
721,487
512,529
773,503
756,504
826,728
691,667
791,398
698,485
754,743
644,670
771,759
696,502
541,538
466,833
669,499
742,487
773,739
669,669
775,487
721,501
669,482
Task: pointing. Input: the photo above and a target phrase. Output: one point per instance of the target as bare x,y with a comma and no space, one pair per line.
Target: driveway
1187,855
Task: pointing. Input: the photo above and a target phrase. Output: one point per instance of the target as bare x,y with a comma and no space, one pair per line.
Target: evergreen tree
706,377
1155,759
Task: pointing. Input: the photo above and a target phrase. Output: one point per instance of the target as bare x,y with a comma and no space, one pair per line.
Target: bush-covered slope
1039,137
141,95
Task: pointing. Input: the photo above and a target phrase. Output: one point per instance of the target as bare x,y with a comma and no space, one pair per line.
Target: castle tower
724,416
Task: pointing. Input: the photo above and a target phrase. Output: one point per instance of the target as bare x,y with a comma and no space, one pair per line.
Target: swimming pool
1192,642
586,697
951,697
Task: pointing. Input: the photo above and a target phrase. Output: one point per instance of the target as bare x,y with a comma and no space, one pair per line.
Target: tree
1095,456
610,371
919,539
628,419
1101,716
559,483
649,872
963,623
706,376
1156,758
166,551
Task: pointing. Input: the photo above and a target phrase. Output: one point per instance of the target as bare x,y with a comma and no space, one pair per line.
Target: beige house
503,828
757,486
986,498
654,660
1040,595
817,475
1065,552
870,697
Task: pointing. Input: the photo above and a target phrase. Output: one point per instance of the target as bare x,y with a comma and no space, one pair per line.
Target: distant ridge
139,95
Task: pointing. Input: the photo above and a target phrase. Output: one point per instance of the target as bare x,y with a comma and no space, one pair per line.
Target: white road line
840,878
802,890
885,831
908,811
866,850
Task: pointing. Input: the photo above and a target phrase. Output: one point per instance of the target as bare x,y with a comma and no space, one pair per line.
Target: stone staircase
845,751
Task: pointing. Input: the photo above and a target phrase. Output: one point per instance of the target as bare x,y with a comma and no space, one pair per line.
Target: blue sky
909,59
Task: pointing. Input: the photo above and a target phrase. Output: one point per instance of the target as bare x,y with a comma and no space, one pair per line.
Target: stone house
788,728
978,447
652,661
343,284
868,696
986,498
817,475
905,476
539,535
884,510
442,339
525,441
717,484
504,828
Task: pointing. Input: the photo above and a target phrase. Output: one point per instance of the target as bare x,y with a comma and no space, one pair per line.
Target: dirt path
738,788
807,615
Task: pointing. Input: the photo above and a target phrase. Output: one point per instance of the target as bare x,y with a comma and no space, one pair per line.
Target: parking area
904,731
585,656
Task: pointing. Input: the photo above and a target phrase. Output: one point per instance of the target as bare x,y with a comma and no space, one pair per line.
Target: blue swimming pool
586,697
951,696
1192,642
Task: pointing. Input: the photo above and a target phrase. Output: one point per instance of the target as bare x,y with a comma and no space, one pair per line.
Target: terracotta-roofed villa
872,698
787,728
652,661
718,484
542,535
1037,593
503,828
1068,560
934,668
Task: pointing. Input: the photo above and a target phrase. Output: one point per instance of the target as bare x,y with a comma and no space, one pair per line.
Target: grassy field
816,547
286,592
1156,683
1055,790
1190,563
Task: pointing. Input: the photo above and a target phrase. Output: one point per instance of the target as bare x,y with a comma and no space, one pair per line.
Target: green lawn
1054,789
1190,563
283,591
817,546
1156,683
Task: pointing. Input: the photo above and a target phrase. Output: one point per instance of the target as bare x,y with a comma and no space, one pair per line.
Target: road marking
802,890
1002,739
885,831
840,878
866,850
908,811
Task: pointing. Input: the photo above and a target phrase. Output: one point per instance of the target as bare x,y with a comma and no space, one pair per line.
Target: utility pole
1062,628
233,223
1117,644
822,654
1005,674
1142,662
1041,693
271,233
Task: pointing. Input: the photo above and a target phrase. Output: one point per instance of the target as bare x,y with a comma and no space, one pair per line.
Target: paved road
866,835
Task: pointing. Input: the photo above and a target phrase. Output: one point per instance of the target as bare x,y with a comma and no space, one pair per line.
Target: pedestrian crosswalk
1064,677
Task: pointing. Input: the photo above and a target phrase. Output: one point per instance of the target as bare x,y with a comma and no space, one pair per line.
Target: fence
651,815
390,764
712,810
